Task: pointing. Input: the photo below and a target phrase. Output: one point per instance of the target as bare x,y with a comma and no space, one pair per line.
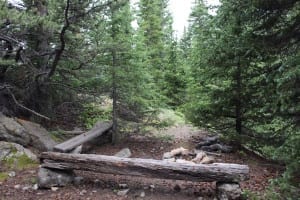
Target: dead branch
25,108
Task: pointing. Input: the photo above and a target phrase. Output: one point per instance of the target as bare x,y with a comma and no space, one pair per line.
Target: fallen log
74,142
221,172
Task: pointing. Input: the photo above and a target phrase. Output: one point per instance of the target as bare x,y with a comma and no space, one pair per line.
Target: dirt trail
103,187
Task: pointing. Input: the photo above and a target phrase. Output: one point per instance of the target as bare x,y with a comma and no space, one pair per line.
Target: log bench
62,165
98,130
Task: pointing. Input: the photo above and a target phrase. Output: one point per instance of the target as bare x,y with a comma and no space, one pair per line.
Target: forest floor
103,187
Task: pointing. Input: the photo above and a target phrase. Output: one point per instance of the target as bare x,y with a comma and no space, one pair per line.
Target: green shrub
95,112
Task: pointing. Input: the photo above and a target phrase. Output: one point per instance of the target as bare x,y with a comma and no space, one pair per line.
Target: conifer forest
233,76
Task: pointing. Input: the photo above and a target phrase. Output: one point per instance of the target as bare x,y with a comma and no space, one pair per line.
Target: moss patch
57,135
19,162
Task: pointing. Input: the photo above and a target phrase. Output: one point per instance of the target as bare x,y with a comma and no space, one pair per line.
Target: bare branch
25,108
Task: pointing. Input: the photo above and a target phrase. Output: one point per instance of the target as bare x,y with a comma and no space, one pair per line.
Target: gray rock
12,131
12,174
83,192
17,186
142,195
54,189
228,191
13,150
25,133
78,180
40,138
123,192
35,187
124,153
52,178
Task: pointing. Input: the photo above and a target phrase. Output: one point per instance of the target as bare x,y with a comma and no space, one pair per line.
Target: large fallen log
74,142
221,172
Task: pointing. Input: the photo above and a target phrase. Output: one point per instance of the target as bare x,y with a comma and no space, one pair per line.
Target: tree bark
114,81
238,106
146,167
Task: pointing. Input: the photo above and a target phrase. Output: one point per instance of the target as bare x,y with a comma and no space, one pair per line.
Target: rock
40,138
12,174
124,153
82,192
142,195
123,192
200,198
54,189
25,133
51,178
228,191
17,186
13,150
207,160
78,180
152,186
35,187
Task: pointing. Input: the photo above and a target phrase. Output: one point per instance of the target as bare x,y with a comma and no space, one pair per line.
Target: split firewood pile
203,153
182,155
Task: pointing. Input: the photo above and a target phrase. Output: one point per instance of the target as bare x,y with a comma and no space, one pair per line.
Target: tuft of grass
169,117
165,138
249,195
3,176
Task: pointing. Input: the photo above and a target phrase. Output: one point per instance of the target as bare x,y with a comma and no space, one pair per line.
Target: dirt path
103,187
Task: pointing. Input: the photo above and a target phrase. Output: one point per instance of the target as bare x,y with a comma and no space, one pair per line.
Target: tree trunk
146,167
114,84
238,106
